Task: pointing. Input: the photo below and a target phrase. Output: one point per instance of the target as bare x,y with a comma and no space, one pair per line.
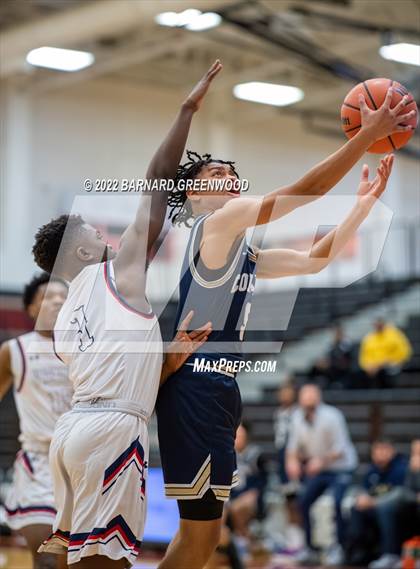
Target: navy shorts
198,415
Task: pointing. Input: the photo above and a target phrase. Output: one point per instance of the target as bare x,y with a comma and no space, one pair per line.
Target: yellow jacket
389,347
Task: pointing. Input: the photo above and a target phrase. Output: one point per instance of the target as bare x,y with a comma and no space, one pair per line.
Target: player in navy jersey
219,270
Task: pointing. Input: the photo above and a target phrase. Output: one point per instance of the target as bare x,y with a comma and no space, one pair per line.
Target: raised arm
248,212
152,207
274,263
165,161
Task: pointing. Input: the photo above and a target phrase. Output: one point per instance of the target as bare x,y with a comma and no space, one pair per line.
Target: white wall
101,129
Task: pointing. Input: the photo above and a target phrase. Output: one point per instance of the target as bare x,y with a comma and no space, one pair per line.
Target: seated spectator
372,518
321,455
382,354
246,498
336,368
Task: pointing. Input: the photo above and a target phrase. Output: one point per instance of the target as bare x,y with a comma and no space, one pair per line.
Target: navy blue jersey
221,296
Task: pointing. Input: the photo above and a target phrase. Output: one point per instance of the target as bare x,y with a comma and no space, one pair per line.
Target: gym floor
17,557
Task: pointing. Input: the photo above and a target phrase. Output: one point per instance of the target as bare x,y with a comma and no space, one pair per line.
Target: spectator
335,369
383,352
321,454
246,498
373,513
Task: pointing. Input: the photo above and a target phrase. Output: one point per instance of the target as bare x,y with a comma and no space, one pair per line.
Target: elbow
316,266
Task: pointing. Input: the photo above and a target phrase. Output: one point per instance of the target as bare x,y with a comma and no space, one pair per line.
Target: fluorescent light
188,16
191,19
268,93
61,59
204,22
402,52
167,19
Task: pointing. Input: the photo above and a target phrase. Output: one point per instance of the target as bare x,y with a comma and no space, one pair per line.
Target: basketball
374,91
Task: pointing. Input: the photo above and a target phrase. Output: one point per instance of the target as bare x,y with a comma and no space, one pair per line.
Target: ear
83,254
193,196
31,311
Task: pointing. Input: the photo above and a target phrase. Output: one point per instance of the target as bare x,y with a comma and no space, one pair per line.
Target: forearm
165,161
327,248
276,263
248,212
164,165
325,175
317,182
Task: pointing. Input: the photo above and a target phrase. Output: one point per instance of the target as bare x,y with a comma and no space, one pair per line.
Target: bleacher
370,413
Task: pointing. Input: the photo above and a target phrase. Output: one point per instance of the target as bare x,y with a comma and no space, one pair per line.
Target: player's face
47,302
92,247
213,199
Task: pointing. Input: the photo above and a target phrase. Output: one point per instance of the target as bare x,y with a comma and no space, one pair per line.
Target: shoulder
332,413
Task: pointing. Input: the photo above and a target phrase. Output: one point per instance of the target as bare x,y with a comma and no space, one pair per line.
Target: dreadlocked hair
48,239
180,209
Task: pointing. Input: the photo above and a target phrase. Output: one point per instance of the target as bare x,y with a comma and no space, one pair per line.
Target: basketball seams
372,100
351,106
353,128
392,143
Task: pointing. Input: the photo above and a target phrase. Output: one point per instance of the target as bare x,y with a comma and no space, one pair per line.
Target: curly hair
31,288
53,235
180,209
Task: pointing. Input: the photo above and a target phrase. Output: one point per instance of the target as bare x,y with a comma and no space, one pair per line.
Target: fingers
206,329
362,104
214,70
388,97
186,322
383,173
400,128
399,106
407,116
365,173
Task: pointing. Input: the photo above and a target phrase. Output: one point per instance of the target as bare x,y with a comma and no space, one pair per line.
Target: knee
206,540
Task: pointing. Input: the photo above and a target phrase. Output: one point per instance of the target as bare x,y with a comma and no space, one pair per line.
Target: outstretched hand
369,191
385,121
195,98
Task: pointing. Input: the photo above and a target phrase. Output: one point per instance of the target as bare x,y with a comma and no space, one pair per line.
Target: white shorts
31,499
98,462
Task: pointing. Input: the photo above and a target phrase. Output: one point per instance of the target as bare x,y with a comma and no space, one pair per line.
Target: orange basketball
374,92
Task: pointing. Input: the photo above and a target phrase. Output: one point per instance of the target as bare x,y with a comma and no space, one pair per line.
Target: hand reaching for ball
370,191
385,120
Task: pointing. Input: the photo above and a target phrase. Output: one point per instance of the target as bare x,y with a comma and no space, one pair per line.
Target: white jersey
113,351
41,388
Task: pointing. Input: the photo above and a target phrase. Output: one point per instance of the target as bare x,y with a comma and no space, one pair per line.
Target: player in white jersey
42,393
109,337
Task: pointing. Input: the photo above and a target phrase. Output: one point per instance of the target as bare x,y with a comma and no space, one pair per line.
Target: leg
193,545
341,483
99,562
242,510
35,535
386,517
313,489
